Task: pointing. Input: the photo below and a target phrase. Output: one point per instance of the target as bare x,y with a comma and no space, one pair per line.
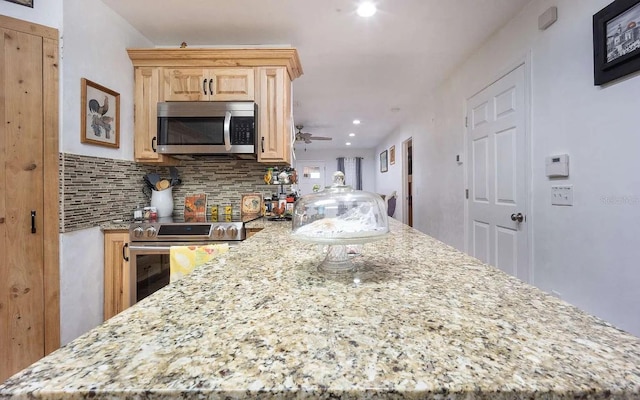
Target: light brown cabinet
116,275
147,81
208,84
252,231
263,75
274,108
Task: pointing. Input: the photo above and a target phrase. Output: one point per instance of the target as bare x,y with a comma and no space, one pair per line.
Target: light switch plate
562,195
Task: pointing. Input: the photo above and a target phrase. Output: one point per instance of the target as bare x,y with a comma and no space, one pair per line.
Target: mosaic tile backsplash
96,190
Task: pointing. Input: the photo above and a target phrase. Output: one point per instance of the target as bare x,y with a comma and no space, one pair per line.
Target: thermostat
557,166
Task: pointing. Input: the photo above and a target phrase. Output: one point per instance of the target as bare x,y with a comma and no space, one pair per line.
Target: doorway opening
407,178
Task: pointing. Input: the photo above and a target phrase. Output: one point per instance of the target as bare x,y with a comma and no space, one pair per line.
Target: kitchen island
417,319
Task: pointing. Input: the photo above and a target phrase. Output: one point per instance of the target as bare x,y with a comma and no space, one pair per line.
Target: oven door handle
148,249
155,249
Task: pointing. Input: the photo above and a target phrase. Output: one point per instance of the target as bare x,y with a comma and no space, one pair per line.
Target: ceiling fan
307,137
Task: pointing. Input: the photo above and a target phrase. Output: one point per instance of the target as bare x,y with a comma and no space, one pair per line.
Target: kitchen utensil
162,185
173,173
153,178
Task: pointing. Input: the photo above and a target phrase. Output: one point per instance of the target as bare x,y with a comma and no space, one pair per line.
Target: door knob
517,217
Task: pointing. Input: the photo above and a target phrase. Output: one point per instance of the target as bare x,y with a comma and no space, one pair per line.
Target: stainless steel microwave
207,127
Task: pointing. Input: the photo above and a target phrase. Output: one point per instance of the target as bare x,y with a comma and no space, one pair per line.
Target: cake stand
337,259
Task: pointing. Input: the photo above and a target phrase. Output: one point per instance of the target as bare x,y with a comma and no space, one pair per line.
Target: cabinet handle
263,144
124,255
210,89
153,145
33,221
204,86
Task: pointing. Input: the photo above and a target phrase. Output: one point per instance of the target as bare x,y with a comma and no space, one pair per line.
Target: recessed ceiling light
356,122
348,143
352,134
366,9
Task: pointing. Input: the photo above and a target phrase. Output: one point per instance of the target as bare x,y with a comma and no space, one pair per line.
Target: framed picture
383,161
28,3
100,115
616,41
251,205
392,155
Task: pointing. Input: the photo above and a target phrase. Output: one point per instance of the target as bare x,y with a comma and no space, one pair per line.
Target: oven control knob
138,232
150,232
218,233
232,231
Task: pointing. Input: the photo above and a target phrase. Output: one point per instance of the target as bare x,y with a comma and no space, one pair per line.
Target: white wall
47,12
588,253
81,282
330,156
95,46
96,39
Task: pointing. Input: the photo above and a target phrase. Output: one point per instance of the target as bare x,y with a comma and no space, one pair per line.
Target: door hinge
466,122
466,193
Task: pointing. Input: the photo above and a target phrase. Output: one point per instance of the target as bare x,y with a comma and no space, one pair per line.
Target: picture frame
251,205
616,41
383,161
100,115
392,155
26,3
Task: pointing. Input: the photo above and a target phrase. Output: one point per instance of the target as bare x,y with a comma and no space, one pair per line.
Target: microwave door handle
227,128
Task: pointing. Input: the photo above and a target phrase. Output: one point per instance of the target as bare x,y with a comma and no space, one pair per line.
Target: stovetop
187,228
182,219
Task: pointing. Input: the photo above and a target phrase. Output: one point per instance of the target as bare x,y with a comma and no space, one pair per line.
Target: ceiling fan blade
320,138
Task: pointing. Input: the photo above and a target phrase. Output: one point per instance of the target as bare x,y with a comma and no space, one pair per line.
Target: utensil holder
163,201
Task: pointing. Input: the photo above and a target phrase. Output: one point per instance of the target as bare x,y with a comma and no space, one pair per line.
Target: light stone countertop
418,319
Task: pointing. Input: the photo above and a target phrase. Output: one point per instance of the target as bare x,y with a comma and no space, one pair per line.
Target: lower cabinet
116,276
252,231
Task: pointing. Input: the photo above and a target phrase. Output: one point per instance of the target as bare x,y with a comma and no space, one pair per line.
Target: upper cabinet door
208,84
231,84
186,84
146,117
274,108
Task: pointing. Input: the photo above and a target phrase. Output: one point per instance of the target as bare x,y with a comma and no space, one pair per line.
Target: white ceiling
353,67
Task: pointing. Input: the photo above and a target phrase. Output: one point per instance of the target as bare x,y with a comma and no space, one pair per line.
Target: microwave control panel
242,130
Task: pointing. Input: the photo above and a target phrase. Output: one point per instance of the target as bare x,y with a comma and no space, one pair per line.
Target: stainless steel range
151,241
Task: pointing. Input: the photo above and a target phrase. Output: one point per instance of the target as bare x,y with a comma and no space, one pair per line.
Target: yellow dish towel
183,259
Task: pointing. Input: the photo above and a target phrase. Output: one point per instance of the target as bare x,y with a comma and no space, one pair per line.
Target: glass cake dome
339,216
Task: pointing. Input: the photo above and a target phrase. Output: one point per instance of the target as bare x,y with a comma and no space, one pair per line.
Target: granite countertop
115,225
418,319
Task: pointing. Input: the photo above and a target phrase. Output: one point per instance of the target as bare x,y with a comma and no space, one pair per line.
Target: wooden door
497,176
186,84
22,324
274,109
232,84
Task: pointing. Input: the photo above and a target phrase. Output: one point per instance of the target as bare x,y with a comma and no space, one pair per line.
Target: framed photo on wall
383,161
616,41
28,3
100,110
392,155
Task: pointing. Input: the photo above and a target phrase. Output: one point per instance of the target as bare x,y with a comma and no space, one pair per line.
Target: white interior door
497,232
310,173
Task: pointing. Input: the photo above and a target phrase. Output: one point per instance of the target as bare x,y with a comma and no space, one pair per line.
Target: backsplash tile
96,190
